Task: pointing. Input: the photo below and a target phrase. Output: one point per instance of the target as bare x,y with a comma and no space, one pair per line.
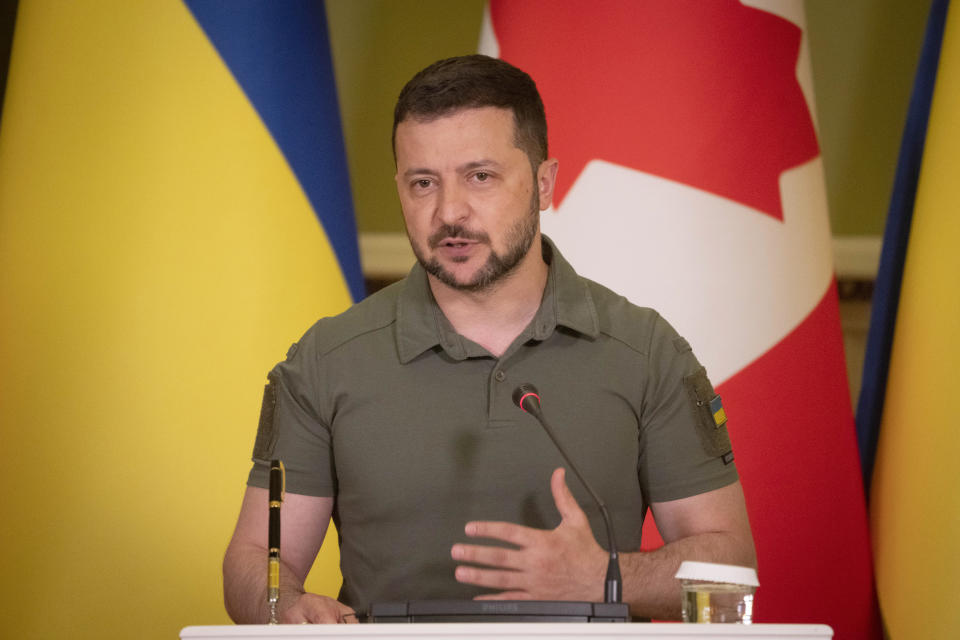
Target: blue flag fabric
886,293
279,53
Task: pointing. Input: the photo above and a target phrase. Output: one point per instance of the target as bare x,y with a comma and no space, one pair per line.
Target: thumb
567,505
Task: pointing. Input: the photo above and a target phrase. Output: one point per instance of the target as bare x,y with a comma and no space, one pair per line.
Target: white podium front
511,631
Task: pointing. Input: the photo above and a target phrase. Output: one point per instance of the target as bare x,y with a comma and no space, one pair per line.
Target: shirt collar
421,324
566,299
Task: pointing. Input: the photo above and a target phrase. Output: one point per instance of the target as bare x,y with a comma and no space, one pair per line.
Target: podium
511,631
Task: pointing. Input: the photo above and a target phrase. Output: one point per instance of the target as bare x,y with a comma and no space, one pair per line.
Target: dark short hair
474,81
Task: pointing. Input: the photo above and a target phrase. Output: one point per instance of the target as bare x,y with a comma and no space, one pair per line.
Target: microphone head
525,392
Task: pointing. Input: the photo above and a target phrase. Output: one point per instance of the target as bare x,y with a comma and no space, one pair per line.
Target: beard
518,240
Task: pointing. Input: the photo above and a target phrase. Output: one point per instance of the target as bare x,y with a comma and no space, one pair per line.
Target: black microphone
527,398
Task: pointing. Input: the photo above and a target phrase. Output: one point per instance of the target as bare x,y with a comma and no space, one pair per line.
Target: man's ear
546,179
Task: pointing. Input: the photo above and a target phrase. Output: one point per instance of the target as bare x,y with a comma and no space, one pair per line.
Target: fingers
489,556
347,614
506,562
317,609
567,505
491,578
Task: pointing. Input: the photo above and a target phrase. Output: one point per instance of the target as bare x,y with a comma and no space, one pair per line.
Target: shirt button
500,376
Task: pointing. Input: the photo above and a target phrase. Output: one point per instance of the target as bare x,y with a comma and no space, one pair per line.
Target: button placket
501,407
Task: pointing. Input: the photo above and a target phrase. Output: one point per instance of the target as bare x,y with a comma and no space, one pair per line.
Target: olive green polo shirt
412,428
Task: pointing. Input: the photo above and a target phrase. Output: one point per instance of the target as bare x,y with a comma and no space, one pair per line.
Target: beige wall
864,55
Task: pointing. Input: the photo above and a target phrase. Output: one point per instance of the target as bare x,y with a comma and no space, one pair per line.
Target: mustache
456,231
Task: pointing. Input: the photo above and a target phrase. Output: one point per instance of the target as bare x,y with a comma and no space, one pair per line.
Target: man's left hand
565,563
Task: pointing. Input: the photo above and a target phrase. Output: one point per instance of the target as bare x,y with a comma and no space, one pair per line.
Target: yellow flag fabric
157,256
915,508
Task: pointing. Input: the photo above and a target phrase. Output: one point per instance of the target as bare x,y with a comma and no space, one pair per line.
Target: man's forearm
649,586
245,584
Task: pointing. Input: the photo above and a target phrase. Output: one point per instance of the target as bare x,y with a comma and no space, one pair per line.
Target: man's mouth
455,237
456,243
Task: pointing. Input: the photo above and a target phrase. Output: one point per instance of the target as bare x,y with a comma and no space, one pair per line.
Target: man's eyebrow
479,164
483,163
418,171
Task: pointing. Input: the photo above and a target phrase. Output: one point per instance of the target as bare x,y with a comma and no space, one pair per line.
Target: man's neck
494,317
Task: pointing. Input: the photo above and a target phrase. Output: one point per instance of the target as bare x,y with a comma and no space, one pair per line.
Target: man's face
469,198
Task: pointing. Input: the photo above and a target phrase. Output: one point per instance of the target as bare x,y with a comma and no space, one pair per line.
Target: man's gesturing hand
565,563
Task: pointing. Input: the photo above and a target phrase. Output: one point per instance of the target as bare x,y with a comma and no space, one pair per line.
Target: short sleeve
291,429
685,449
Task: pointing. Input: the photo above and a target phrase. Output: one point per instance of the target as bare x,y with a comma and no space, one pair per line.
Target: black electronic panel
498,611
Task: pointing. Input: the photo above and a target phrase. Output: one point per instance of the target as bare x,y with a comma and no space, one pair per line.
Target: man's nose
453,205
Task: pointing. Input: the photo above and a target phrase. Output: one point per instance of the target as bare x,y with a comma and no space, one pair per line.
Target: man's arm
304,521
710,527
566,563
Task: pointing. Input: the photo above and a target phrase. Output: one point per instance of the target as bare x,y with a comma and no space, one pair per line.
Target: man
395,418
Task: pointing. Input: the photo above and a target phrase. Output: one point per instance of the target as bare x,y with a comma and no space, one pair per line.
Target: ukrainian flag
174,210
914,508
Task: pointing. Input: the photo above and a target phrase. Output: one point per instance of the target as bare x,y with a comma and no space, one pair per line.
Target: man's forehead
460,113
474,126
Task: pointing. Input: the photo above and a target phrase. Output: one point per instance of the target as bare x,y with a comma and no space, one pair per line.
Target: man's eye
422,184
481,176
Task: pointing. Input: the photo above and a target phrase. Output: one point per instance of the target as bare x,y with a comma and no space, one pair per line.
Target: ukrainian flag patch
716,408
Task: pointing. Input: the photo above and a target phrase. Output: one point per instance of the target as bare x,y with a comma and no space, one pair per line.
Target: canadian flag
691,182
